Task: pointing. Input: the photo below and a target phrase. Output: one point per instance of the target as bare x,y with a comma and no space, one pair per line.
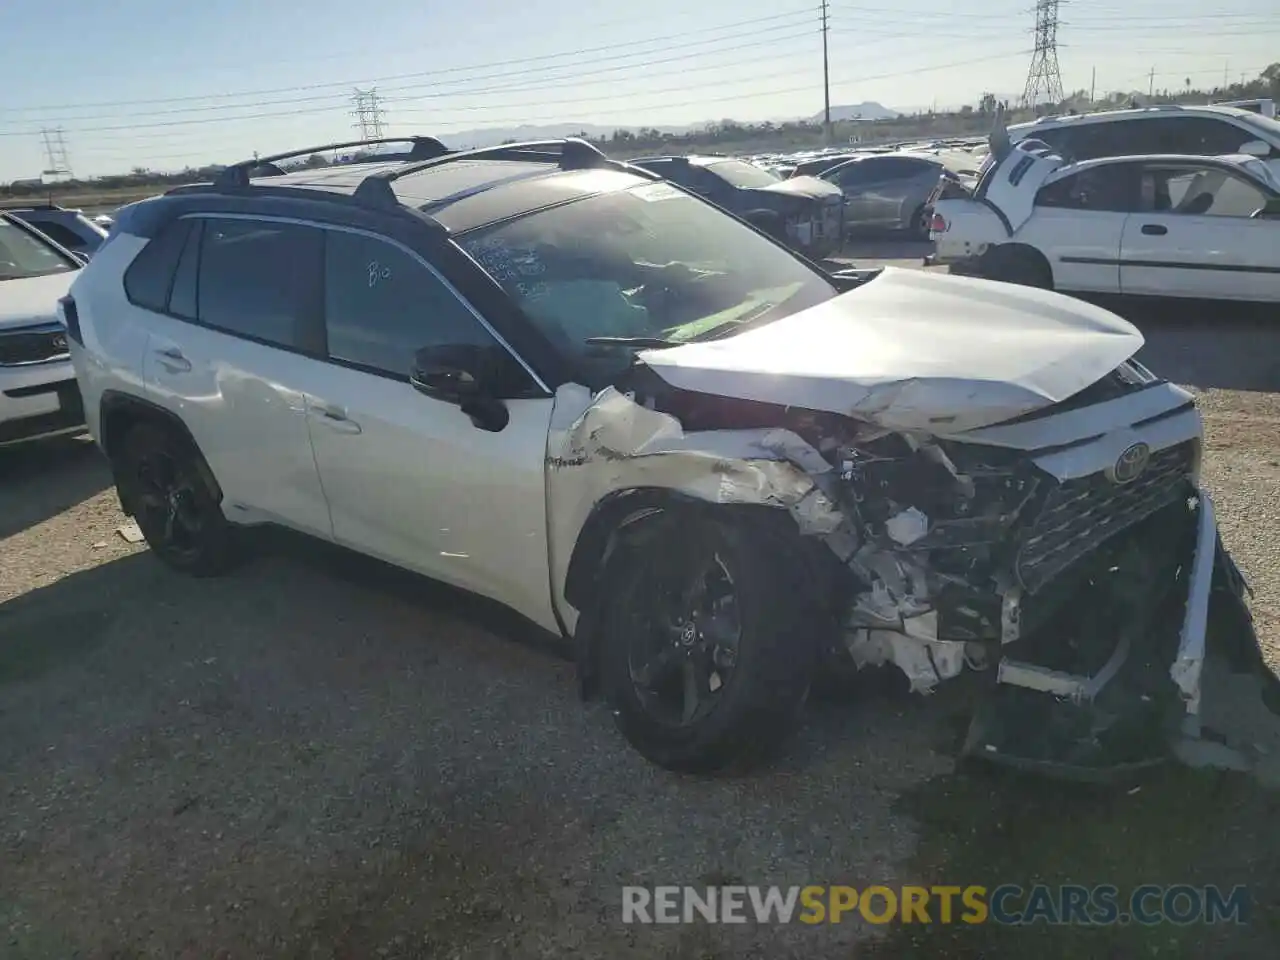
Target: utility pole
1044,77
55,152
1093,85
368,113
1151,83
826,80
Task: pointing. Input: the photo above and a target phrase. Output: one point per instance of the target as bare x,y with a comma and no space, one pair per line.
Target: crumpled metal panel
609,443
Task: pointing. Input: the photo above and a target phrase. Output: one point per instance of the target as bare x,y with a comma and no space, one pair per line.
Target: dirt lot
318,757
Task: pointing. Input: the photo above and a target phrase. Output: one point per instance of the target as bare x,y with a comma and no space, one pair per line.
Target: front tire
164,486
704,653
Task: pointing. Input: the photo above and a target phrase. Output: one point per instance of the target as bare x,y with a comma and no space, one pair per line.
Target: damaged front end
1069,555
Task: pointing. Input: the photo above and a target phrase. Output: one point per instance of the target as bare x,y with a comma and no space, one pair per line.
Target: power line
519,81
808,12
1044,75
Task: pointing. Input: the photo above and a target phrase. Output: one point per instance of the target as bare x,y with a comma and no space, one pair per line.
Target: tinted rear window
149,278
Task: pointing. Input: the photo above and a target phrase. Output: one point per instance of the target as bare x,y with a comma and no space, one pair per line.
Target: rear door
409,478
230,352
1078,222
1196,235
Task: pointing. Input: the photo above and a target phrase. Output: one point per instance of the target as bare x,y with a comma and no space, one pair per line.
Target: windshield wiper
643,343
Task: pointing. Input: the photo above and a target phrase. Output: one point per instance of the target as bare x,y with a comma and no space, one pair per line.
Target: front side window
260,279
648,262
23,255
382,305
1199,191
1104,188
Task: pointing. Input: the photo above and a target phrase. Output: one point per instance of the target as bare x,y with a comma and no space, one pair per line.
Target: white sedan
1175,226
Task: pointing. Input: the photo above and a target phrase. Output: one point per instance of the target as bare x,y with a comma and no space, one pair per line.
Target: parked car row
1128,202
559,381
38,392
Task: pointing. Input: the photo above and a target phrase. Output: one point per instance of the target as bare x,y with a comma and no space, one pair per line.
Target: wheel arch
816,571
121,412
1017,249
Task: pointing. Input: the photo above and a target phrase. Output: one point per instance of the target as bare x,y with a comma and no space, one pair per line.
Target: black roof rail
237,175
569,153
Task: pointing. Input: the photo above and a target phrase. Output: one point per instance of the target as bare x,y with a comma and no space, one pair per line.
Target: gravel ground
320,757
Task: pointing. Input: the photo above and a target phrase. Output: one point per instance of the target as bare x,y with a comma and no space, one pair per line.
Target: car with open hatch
1156,226
713,470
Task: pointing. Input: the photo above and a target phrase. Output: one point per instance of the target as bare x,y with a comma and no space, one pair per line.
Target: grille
32,345
1078,515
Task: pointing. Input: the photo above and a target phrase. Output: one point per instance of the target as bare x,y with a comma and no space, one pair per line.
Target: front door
1196,236
409,478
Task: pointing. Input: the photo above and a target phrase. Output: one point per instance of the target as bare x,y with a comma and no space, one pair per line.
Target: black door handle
1154,229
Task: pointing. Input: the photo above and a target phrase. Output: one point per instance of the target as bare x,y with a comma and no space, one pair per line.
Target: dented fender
603,445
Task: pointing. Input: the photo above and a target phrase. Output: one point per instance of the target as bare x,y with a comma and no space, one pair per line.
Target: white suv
38,394
1202,131
555,380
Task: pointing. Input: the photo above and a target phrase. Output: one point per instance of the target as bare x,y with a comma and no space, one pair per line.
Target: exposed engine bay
1084,601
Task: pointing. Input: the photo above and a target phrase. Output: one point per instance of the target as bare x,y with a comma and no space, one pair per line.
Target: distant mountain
870,110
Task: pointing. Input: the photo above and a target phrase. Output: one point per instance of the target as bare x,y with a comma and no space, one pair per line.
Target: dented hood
915,351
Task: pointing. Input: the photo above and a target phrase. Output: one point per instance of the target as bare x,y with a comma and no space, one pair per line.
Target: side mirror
464,375
1256,148
1270,211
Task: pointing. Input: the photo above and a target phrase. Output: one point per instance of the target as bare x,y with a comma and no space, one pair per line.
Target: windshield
742,174
1268,127
650,262
22,255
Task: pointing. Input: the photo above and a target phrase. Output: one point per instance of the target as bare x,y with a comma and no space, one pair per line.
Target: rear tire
742,653
163,483
1017,264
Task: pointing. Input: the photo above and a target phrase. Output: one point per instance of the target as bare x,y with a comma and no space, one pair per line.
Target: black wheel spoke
658,667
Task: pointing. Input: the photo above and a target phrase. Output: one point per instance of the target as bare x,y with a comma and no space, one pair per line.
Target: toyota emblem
1130,464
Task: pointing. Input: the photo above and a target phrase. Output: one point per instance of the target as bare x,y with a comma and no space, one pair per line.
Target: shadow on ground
987,827
40,480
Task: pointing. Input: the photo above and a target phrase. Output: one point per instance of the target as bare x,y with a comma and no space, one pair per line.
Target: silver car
888,191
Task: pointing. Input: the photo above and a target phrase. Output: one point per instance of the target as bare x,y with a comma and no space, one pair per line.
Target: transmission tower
1044,78
55,152
368,113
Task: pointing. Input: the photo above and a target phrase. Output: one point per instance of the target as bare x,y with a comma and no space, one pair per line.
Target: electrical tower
1044,78
368,113
55,152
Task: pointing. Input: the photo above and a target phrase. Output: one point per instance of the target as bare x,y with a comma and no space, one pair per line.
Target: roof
465,194
1103,116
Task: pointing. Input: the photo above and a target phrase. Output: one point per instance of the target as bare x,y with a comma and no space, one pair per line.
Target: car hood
914,351
33,299
801,187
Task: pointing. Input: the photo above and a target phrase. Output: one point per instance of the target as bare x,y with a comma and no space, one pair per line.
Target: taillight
937,224
71,317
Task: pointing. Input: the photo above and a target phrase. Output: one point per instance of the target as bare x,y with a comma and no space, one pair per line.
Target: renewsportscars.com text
1007,904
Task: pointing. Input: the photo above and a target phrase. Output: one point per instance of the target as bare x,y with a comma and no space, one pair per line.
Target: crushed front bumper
1148,701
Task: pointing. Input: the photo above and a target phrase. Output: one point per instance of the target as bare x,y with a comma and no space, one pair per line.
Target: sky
163,84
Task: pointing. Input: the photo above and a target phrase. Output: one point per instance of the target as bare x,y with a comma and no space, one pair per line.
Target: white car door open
409,477
1195,235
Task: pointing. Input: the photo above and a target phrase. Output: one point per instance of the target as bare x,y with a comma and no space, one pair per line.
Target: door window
1108,188
261,279
1199,191
382,305
149,277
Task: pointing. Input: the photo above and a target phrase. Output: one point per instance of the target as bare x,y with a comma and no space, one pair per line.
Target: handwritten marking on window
378,272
